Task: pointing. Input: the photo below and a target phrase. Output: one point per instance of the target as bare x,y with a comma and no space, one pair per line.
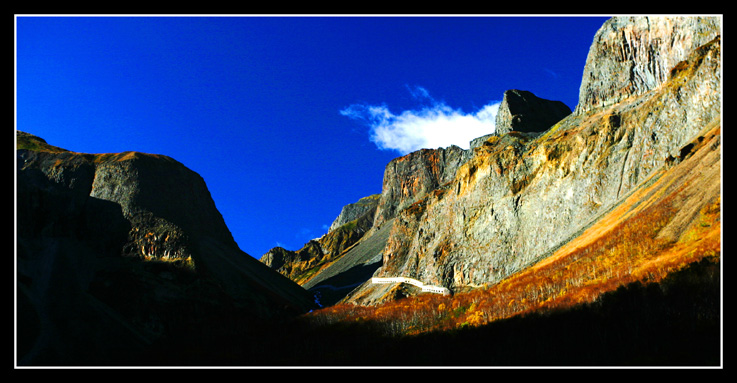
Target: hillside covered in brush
578,237
603,208
465,219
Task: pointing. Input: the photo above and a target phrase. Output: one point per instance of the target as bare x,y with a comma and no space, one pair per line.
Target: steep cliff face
631,56
354,211
409,178
354,221
407,182
521,196
118,250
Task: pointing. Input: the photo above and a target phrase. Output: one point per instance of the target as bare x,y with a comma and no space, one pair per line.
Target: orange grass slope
671,221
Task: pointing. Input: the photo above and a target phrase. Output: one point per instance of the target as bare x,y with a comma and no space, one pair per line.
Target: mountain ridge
518,198
617,135
118,262
126,249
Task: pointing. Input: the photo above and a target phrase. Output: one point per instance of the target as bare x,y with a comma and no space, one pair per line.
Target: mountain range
465,218
123,257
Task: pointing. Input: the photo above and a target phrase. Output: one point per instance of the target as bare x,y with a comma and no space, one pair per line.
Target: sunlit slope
520,197
656,158
671,221
668,223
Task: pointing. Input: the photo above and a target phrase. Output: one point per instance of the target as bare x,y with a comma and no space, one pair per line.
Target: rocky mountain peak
119,251
650,86
355,210
464,218
522,111
630,56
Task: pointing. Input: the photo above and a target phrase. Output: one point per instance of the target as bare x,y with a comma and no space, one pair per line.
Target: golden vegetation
624,247
30,142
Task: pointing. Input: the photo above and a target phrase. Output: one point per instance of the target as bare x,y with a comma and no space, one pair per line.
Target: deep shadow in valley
337,287
674,323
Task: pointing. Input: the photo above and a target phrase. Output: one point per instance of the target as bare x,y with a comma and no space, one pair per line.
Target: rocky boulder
522,111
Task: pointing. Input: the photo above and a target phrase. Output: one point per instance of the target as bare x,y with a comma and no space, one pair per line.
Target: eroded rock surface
522,195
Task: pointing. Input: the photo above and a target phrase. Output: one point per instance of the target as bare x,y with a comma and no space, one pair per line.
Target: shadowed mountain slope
118,250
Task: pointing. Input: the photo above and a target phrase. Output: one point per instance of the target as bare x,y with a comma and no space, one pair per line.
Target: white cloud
433,125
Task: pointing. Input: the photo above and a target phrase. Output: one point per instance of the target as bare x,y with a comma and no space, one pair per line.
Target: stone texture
477,142
409,178
520,196
465,218
355,210
304,264
407,182
631,56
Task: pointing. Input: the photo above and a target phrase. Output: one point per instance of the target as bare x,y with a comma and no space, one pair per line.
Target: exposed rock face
465,218
520,196
407,182
479,141
409,178
117,250
350,212
522,111
305,263
286,261
634,55
338,278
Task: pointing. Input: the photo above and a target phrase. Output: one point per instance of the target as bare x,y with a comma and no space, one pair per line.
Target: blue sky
287,119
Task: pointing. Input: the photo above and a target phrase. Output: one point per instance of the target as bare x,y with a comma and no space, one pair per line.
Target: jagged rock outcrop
465,218
520,196
293,263
353,211
479,141
117,251
409,178
407,182
303,264
522,111
631,56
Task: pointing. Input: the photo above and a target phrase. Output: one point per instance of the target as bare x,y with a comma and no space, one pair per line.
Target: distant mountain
117,251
